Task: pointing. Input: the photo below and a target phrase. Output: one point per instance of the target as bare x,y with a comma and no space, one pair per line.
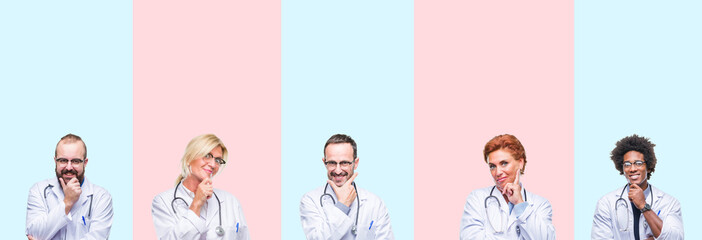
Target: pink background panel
208,67
484,68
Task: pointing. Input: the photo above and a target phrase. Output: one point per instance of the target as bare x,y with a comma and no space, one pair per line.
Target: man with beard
340,210
69,206
637,210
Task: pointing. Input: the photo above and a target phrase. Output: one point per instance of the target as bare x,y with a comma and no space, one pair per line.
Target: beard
74,172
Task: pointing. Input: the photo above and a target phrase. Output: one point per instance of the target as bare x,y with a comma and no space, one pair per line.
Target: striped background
421,86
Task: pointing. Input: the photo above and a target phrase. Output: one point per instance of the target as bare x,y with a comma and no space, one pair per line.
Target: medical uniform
330,222
187,225
529,221
47,218
604,224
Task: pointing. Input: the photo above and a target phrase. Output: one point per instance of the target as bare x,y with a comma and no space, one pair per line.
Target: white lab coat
604,224
47,218
330,223
187,225
534,223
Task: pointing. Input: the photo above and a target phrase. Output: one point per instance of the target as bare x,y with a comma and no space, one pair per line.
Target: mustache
72,171
342,174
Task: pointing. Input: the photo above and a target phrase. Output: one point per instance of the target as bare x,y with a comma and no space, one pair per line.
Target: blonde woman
194,209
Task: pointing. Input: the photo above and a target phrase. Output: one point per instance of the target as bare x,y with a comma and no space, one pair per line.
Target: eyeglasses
637,163
218,161
74,162
333,164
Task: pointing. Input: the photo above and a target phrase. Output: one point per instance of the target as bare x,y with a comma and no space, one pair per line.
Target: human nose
499,171
69,166
211,162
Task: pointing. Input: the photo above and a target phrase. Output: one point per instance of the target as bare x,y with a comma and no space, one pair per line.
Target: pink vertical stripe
208,67
484,68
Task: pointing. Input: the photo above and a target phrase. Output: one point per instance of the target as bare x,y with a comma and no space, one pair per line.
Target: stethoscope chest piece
219,230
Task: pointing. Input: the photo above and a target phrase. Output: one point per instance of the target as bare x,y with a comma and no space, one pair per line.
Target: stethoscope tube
499,206
358,204
626,205
219,230
90,207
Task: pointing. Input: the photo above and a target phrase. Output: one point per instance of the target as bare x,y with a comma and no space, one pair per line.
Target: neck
191,183
644,185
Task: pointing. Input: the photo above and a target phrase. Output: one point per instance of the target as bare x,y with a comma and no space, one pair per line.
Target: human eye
345,163
208,156
492,166
220,161
76,161
62,160
639,163
330,163
627,164
504,163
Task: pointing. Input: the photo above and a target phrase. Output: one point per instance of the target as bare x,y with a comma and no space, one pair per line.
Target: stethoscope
358,204
622,205
219,230
499,227
90,207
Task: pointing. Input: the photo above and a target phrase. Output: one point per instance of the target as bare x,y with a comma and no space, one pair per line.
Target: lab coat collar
504,204
86,189
623,192
56,189
362,196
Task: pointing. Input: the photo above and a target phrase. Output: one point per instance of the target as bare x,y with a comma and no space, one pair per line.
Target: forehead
71,149
217,151
499,155
633,156
339,150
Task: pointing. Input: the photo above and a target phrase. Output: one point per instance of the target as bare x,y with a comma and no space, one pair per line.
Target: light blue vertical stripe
347,67
66,67
637,70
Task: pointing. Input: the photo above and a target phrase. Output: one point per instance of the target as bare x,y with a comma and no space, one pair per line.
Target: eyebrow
210,153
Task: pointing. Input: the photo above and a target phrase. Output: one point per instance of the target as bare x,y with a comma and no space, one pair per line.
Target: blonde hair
197,148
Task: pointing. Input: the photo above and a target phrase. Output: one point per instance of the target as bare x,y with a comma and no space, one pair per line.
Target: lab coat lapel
353,212
513,217
56,190
213,211
657,195
86,195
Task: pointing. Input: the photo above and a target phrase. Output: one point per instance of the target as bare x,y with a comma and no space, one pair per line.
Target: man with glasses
340,210
637,210
69,206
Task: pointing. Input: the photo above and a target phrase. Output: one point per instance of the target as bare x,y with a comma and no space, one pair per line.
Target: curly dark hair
634,143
